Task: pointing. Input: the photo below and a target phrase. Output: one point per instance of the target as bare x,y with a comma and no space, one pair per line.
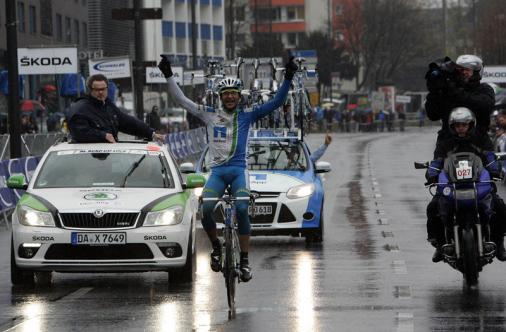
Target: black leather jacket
90,120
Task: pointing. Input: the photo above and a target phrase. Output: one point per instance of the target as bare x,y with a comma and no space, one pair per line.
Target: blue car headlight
300,191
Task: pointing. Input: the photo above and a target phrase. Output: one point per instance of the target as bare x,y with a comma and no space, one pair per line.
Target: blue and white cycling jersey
228,133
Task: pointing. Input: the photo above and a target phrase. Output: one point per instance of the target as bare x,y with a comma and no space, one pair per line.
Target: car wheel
186,273
43,278
317,235
19,276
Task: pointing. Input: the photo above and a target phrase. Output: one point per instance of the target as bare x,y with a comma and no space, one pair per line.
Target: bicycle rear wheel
230,275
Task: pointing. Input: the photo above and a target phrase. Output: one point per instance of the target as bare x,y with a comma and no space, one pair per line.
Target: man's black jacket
90,120
479,98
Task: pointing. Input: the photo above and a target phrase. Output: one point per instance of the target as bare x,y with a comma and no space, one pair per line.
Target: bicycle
301,105
230,265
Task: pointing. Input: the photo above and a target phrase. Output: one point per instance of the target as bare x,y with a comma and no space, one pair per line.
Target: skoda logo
98,213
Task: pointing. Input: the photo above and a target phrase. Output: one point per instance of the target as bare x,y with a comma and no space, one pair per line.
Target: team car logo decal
100,196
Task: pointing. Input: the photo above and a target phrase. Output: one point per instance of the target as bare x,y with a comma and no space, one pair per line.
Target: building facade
173,34
46,23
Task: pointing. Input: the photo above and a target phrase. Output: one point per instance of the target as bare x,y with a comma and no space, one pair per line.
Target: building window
68,30
205,47
339,10
291,39
21,17
46,17
217,48
167,45
85,34
32,20
77,33
295,13
59,28
180,45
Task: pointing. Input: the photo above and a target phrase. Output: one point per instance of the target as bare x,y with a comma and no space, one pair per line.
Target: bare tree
382,37
491,25
235,23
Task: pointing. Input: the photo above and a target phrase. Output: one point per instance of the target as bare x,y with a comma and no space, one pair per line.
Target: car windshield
136,168
276,155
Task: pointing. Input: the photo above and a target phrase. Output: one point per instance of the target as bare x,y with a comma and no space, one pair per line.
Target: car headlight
300,191
171,216
30,217
198,191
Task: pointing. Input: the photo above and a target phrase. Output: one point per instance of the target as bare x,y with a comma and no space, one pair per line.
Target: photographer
457,84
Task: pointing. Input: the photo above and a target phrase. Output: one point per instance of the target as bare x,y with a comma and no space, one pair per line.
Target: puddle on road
355,212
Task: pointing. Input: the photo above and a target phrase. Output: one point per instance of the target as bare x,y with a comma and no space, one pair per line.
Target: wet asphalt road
373,272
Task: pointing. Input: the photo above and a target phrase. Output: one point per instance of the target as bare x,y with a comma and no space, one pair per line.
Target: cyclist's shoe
216,258
246,273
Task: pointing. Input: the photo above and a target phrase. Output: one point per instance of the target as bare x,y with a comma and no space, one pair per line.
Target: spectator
329,117
153,119
28,126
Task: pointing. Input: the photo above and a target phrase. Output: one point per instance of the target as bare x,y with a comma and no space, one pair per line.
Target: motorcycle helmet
462,115
229,84
473,62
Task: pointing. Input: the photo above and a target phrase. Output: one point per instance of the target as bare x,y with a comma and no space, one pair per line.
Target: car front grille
88,220
83,252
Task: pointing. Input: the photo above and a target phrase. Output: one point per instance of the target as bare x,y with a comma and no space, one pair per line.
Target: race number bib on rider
464,171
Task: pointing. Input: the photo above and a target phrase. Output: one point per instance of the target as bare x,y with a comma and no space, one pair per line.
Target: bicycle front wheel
230,275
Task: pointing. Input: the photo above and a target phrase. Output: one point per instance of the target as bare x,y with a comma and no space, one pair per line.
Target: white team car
288,182
104,208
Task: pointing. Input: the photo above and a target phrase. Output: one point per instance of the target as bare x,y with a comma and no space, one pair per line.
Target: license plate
261,209
98,238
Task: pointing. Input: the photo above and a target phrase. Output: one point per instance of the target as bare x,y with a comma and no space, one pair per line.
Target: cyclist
227,131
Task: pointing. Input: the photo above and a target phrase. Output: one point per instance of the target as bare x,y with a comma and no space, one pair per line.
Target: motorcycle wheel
469,257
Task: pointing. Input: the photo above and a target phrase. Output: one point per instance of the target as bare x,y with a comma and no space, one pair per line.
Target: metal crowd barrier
186,145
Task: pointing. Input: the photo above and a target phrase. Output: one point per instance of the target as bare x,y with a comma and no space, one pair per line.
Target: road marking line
405,322
400,267
77,294
402,292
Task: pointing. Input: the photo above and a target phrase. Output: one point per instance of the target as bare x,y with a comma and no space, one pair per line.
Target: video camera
440,73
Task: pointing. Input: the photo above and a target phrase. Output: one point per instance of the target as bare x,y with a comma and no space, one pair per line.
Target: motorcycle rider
462,125
228,134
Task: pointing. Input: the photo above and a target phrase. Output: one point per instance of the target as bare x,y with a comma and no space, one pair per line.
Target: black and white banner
38,61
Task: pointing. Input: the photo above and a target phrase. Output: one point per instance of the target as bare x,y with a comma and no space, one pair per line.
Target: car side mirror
17,181
187,168
322,167
194,181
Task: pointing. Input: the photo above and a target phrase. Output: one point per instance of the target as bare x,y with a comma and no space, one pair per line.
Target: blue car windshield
276,155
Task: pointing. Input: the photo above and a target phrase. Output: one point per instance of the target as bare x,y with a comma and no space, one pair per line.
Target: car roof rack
280,133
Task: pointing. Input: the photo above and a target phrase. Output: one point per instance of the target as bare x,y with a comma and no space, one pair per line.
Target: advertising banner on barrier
40,61
110,67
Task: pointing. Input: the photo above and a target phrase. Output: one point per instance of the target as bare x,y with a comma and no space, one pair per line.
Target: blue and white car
291,192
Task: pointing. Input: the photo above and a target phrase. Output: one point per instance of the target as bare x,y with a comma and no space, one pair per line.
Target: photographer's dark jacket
479,98
90,120
469,144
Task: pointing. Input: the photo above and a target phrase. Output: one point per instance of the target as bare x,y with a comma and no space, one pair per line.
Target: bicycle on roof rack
301,108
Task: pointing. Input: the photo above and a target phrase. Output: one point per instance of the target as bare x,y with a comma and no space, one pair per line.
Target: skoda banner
40,61
494,74
154,75
110,67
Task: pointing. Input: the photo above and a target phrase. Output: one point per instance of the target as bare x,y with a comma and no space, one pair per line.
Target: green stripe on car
177,199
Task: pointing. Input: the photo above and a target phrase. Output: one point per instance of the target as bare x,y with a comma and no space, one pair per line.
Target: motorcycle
465,185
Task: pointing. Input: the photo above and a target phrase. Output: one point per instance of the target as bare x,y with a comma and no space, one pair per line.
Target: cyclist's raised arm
177,94
260,111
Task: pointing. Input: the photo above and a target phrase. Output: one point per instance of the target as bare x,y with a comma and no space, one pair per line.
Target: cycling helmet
462,115
472,62
229,84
